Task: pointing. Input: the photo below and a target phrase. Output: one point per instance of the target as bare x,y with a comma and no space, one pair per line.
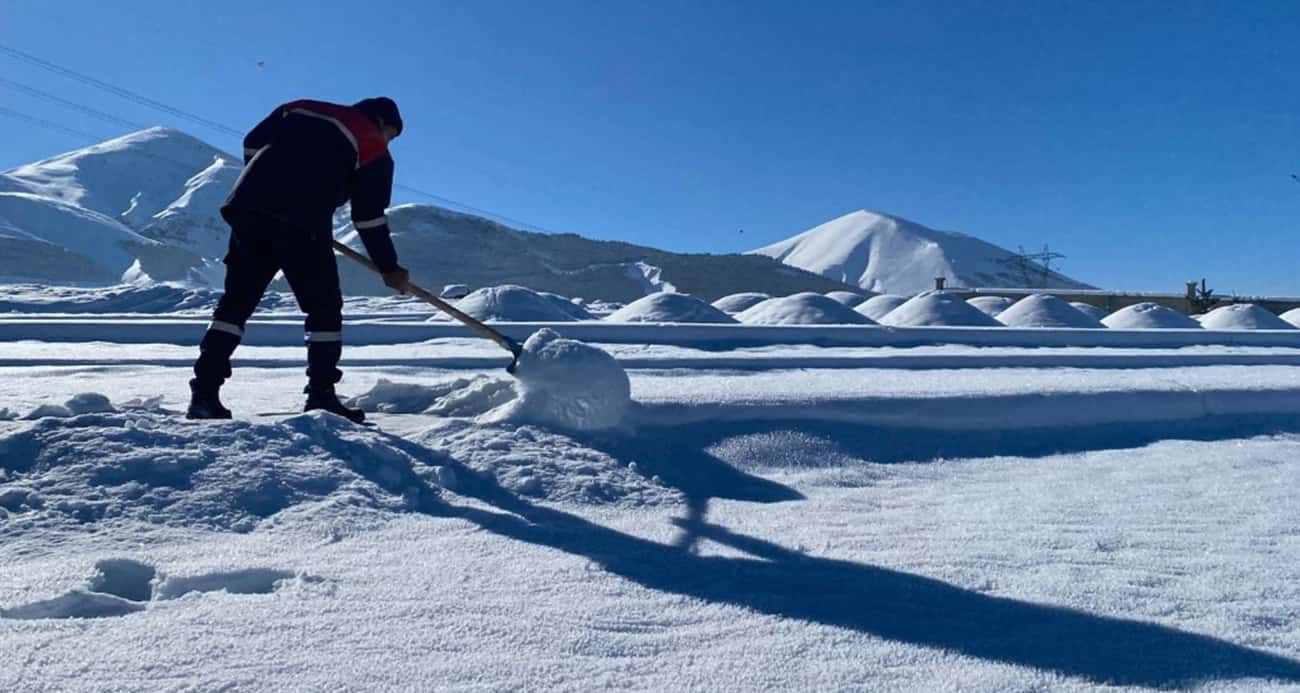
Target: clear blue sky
1150,142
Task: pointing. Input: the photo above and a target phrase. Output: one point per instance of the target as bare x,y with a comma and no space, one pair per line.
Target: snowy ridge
442,246
888,254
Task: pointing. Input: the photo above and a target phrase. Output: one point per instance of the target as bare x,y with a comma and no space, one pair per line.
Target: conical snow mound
1243,316
1044,310
877,307
1292,316
848,299
938,309
802,309
669,307
1095,312
1149,316
511,303
883,253
736,303
991,305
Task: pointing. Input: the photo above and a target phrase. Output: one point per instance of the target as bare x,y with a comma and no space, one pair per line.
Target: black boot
323,397
205,402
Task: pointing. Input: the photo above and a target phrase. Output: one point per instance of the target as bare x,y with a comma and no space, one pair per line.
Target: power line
180,113
33,91
49,125
119,91
477,210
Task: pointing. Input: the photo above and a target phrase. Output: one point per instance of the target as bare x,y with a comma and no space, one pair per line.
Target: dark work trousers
260,246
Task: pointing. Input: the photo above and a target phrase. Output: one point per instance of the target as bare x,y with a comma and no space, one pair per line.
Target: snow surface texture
877,307
937,308
884,253
766,557
801,309
1043,310
518,304
991,305
1149,316
738,303
1243,316
669,308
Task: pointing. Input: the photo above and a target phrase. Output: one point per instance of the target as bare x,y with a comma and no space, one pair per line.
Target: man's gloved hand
398,279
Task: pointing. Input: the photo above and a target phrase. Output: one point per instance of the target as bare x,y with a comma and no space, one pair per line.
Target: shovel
515,348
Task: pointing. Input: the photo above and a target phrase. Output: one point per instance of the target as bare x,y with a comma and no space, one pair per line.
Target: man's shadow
867,599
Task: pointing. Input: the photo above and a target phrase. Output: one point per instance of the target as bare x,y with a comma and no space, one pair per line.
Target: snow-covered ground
771,514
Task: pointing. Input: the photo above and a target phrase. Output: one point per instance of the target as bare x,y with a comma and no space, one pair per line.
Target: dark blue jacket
309,157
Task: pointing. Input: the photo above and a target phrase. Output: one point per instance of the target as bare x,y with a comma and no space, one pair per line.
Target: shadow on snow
872,600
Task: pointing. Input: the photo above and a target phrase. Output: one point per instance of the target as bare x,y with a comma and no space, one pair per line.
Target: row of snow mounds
1046,311
152,299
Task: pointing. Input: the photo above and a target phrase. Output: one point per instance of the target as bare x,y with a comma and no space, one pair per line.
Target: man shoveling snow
300,164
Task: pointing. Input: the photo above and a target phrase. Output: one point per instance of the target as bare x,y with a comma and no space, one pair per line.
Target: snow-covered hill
884,253
88,216
441,246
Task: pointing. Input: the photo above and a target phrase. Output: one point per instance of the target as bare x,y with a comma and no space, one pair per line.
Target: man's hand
399,279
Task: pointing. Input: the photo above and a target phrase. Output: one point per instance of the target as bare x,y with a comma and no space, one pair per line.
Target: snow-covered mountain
145,207
88,216
889,254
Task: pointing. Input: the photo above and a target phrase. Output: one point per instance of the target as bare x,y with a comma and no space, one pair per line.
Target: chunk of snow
89,403
567,384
